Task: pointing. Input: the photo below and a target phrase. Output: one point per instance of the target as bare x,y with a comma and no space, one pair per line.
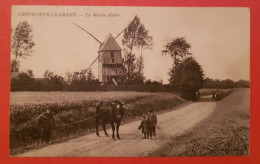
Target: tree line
51,81
75,81
216,83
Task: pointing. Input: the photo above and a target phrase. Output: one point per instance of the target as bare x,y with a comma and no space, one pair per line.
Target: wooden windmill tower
109,60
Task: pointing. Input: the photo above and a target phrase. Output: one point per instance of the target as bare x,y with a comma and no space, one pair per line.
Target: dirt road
131,143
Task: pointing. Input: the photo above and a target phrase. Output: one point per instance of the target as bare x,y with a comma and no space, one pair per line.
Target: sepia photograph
100,81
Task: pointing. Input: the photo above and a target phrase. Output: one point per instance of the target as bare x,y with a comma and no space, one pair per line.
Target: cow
111,112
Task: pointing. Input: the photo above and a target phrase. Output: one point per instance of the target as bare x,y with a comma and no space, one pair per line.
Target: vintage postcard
99,81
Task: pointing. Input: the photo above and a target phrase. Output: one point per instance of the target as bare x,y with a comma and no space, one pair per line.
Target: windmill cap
109,44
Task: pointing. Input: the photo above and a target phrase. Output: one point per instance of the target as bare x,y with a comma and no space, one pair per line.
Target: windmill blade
86,70
121,32
87,32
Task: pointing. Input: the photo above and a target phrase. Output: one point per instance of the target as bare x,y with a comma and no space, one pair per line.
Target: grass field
70,107
224,133
21,98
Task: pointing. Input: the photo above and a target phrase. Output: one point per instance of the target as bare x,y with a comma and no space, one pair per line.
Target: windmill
109,59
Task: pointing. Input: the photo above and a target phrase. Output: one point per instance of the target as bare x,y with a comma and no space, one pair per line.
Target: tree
30,73
175,76
55,82
135,35
188,78
90,76
242,84
15,65
178,48
139,77
154,82
228,83
79,78
24,82
26,78
48,75
68,78
75,79
22,43
216,83
129,67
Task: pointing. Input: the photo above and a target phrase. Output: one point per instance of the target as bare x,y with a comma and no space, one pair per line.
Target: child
152,121
144,126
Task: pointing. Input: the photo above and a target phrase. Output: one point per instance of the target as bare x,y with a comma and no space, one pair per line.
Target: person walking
144,126
152,121
45,123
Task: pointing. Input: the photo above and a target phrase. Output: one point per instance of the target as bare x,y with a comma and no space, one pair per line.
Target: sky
219,37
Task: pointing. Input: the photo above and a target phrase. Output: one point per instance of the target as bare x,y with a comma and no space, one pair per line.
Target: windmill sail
86,70
87,32
121,33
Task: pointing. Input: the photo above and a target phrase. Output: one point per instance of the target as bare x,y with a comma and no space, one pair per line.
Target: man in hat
152,121
45,123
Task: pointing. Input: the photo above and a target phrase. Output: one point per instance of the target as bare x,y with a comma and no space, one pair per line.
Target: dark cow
111,112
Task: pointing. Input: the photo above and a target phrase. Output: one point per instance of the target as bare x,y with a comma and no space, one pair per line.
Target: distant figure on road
144,126
217,96
213,95
198,95
45,124
152,121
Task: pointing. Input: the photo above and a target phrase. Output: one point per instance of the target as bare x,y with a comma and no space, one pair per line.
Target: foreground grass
73,107
225,132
